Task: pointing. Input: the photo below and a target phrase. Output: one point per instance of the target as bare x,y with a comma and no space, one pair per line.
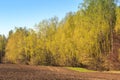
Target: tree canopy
82,39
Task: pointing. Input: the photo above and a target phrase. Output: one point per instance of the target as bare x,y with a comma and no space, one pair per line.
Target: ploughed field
26,72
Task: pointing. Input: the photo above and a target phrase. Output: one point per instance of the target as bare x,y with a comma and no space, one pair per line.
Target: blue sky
21,13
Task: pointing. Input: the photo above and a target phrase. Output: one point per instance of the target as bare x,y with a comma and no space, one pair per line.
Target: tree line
82,39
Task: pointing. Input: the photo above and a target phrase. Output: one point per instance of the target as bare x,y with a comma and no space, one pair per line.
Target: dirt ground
24,72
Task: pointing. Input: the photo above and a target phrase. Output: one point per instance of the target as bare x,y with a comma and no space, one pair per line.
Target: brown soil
24,72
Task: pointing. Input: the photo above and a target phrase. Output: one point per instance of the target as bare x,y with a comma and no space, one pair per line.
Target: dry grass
24,72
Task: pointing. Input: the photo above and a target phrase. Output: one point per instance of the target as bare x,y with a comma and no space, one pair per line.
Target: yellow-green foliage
117,27
2,47
15,46
80,39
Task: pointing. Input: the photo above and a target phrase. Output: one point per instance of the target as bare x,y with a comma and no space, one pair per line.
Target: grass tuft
79,69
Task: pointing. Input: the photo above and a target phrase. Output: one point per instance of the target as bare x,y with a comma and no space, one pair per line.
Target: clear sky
21,13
